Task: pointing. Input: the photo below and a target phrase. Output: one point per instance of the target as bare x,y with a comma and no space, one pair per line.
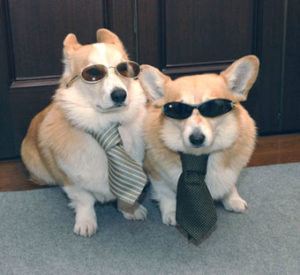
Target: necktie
126,177
195,210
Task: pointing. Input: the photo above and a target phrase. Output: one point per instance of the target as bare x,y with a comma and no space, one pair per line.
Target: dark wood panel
6,133
121,21
26,103
207,30
291,96
206,36
179,37
39,27
34,36
14,177
264,99
205,67
36,82
276,149
149,32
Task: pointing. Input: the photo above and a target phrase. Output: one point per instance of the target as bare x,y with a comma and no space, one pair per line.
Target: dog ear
70,44
241,75
153,81
106,36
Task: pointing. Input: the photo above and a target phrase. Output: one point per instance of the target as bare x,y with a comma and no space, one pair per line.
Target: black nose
118,95
197,138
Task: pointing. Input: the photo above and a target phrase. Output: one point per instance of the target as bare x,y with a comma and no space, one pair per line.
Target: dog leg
166,198
83,203
168,210
135,212
233,202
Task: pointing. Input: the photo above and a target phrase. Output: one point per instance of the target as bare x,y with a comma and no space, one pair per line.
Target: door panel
179,37
7,147
121,21
291,96
31,45
37,34
186,37
264,99
193,35
190,37
28,102
150,32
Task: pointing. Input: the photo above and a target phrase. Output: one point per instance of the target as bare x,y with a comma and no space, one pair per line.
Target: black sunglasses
211,108
94,73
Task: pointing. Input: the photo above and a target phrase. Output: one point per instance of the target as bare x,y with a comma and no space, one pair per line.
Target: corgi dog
199,114
98,88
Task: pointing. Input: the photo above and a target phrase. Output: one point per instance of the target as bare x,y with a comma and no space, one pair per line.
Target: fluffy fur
229,139
57,150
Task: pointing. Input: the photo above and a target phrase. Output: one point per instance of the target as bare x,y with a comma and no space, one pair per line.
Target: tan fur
30,150
241,150
71,44
82,61
51,128
106,36
251,59
230,137
58,147
199,87
209,84
160,157
51,124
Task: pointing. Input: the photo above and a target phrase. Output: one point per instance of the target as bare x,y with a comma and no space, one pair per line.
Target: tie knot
109,138
194,163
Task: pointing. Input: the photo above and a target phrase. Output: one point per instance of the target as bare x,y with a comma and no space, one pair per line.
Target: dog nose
118,95
197,138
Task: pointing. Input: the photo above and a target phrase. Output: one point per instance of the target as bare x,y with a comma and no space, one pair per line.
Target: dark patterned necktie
195,210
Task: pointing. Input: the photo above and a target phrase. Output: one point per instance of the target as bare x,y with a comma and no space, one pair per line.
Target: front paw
169,218
235,204
85,227
139,214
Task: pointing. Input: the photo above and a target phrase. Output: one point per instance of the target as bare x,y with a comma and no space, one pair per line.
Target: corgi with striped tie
98,92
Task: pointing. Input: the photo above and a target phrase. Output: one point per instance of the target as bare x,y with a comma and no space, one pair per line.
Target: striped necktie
126,177
195,210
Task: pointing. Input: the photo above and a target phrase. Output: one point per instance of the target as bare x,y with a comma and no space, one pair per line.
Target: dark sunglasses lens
93,73
128,69
215,107
177,110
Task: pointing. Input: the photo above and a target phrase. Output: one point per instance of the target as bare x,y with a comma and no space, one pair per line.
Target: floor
269,150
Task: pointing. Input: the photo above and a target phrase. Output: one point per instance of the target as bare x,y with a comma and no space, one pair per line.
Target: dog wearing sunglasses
199,114
98,87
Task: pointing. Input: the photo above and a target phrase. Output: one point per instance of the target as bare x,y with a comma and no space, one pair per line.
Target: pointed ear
241,75
153,81
70,44
106,36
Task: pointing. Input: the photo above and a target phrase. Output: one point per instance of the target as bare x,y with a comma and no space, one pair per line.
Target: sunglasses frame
70,82
196,106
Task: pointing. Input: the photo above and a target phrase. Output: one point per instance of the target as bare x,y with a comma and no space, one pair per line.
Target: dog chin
189,148
113,108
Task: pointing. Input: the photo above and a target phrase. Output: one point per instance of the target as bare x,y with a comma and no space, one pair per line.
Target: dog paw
169,218
86,228
236,205
139,214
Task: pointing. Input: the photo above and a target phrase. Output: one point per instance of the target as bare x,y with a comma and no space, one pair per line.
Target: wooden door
178,36
290,109
188,37
31,36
